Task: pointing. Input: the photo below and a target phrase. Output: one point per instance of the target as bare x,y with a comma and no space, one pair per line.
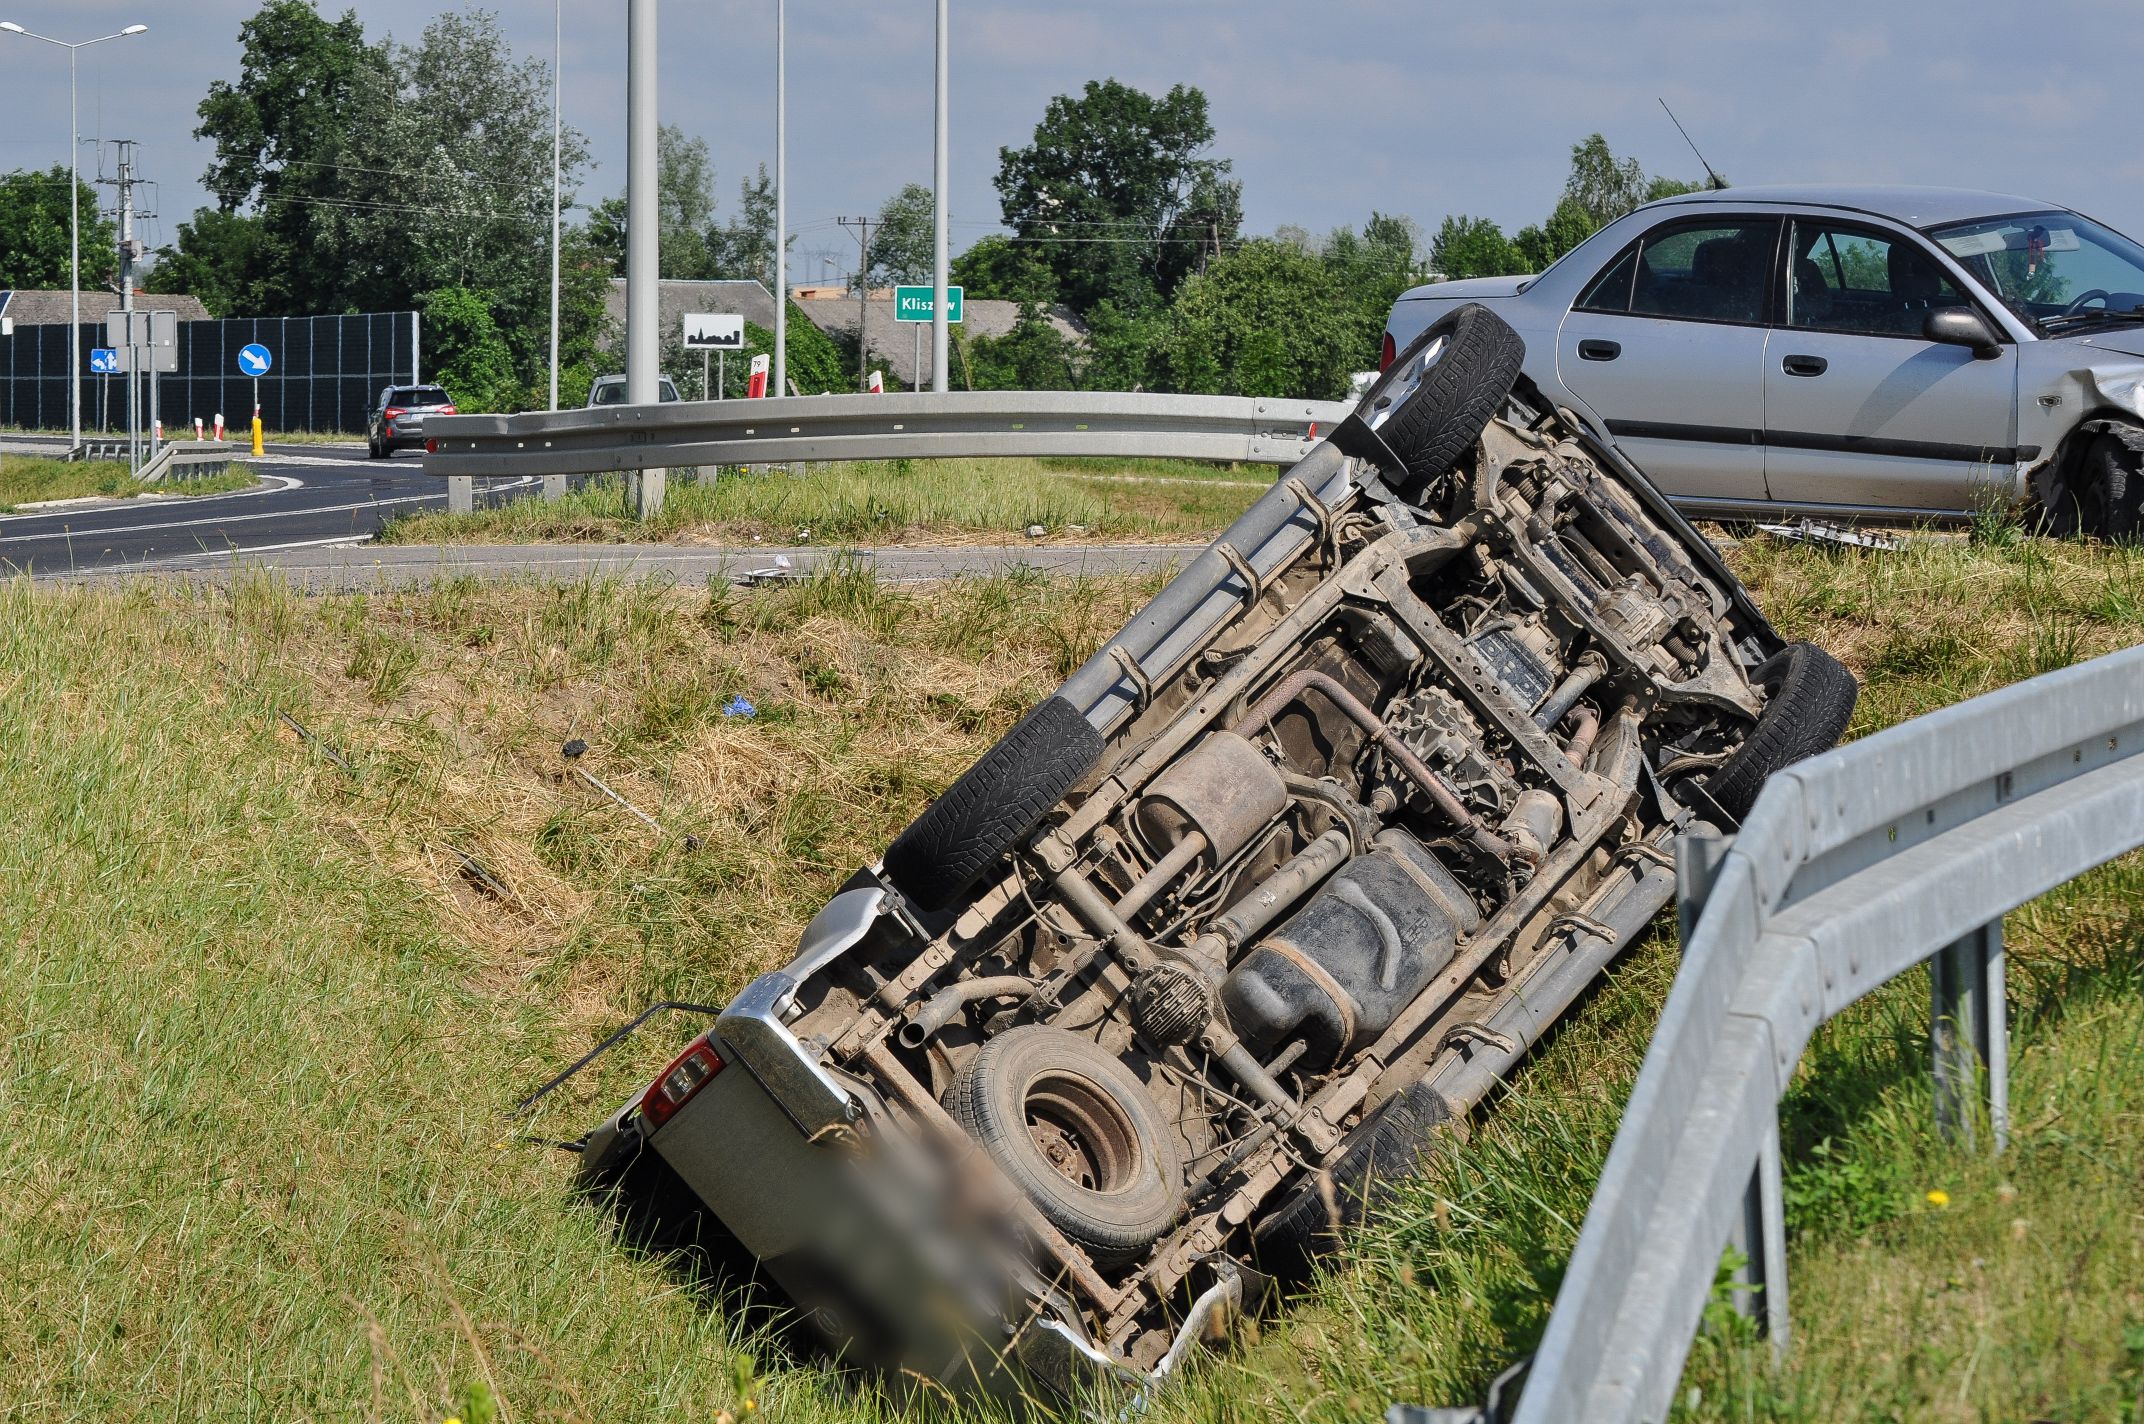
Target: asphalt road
309,496
317,506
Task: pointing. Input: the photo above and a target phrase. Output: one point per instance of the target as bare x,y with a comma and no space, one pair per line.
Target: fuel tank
1340,970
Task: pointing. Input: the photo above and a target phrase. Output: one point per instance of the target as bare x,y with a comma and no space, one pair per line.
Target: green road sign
914,303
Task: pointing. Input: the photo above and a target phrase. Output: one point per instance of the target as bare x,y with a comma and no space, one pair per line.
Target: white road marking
101,531
351,539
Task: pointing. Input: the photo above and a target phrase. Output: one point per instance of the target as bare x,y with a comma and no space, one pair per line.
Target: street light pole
74,214
558,61
781,200
643,341
940,330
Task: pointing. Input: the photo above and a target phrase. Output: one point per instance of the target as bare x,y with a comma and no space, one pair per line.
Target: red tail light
674,1087
446,410
431,445
1384,359
395,412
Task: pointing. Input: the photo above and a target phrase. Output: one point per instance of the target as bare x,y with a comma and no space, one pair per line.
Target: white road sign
714,331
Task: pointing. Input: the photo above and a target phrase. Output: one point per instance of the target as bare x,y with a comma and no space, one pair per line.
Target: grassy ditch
882,502
267,995
29,479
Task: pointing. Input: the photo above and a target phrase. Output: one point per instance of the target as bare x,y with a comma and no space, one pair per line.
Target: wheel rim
1080,1131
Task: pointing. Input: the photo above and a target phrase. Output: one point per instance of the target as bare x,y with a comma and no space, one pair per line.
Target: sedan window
1858,280
1707,271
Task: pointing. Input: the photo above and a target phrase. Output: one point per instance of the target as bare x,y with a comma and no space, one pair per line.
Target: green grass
28,479
262,1021
885,502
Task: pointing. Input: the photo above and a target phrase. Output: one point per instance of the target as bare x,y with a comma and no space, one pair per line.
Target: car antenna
1715,179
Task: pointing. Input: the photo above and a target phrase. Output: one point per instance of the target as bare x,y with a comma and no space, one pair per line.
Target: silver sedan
1891,351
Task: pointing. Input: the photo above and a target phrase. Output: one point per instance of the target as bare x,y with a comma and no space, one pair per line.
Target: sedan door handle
1804,365
1599,350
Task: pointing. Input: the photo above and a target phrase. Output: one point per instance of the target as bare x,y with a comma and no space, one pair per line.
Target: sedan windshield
2058,270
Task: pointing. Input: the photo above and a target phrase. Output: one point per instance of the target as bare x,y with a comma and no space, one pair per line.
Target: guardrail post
1760,1234
554,486
1968,1034
1698,853
646,492
461,494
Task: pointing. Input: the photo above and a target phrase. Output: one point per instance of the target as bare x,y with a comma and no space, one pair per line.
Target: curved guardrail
956,424
1853,867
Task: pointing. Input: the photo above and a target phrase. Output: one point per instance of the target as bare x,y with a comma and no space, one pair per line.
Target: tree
999,269
903,248
1570,224
283,135
1107,188
1121,349
684,210
744,246
466,351
209,259
452,178
1370,269
1033,356
1264,320
35,232
1473,247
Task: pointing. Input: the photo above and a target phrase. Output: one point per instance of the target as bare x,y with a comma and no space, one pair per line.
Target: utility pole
130,252
643,342
558,129
863,292
781,199
940,331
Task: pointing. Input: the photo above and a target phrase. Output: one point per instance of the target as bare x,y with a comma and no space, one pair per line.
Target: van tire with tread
1458,395
1810,699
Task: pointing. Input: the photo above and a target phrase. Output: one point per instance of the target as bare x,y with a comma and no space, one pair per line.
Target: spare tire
1810,699
1386,1148
1471,360
995,803
1078,1133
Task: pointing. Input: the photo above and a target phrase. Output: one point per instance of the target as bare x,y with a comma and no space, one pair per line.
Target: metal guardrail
179,460
1851,869
651,438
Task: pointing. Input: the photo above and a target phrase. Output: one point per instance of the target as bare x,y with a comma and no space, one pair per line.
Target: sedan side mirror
1962,326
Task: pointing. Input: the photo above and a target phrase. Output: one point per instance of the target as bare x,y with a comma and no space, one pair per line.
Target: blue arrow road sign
254,360
103,361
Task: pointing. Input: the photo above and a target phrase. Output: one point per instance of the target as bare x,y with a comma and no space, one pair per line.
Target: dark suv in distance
397,421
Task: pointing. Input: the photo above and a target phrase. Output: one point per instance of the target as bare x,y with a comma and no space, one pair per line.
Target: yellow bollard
257,450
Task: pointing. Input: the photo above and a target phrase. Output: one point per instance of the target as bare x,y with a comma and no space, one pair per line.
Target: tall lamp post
74,213
939,214
558,130
781,202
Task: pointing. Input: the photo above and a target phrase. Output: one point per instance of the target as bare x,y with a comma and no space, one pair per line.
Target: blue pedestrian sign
254,360
103,361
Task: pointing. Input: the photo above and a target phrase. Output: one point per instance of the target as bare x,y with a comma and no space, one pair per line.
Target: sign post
717,332
915,304
254,361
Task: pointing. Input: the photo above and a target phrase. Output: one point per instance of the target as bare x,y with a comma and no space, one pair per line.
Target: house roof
747,299
41,308
895,344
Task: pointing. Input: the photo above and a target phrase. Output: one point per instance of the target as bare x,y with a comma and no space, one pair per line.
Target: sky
1329,111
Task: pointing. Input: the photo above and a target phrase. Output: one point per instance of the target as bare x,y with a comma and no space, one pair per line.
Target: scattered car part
1821,531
